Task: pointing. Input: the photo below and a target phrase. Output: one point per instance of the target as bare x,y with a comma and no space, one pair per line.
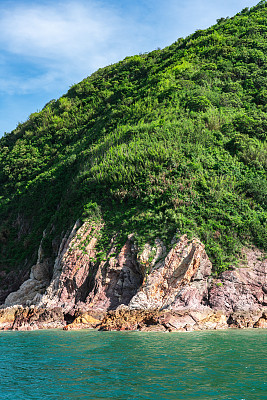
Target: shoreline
20,318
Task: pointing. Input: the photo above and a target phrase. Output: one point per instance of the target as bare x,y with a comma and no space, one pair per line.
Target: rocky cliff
162,144
145,289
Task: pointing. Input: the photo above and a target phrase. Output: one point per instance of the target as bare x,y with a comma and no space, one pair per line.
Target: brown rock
153,328
242,289
262,322
126,319
180,280
116,281
29,318
174,321
244,319
84,321
216,320
7,316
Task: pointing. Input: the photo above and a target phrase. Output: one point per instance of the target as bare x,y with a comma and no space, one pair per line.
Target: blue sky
46,46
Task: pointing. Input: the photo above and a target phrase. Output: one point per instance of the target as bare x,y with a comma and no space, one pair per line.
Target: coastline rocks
33,288
11,282
31,318
83,321
246,319
122,319
242,289
148,289
7,317
262,322
116,281
28,293
79,282
71,268
169,321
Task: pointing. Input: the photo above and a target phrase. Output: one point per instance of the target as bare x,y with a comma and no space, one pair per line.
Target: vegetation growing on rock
166,143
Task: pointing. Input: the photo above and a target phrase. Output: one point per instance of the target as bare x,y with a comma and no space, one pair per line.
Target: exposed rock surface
11,282
243,289
83,321
71,273
184,320
116,281
80,282
179,280
30,318
150,289
32,289
7,317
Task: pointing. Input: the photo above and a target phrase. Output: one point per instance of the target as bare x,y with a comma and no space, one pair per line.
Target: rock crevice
148,289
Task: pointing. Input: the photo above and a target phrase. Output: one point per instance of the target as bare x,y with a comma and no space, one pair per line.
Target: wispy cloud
69,40
59,38
66,41
46,45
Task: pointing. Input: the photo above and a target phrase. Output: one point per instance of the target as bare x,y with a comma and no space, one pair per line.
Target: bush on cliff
160,144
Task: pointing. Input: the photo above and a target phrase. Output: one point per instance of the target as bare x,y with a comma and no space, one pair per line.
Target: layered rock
163,320
72,268
242,289
31,291
117,280
183,320
179,280
144,289
30,318
79,281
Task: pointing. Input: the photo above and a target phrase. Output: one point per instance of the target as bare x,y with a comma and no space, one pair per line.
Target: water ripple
82,365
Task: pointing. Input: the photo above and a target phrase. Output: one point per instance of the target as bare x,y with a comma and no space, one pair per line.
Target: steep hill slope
158,145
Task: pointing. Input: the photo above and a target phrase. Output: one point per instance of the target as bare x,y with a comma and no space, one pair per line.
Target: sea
79,365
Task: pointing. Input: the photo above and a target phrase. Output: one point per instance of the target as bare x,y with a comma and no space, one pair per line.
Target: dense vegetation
160,144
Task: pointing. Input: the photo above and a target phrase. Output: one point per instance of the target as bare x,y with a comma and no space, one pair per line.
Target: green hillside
159,144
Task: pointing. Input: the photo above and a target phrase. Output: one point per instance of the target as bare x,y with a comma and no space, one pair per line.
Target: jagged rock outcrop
179,280
148,289
71,272
30,318
11,282
163,320
242,289
31,291
80,282
117,280
83,321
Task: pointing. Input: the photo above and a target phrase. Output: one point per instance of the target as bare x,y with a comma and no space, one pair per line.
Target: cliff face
169,141
148,289
166,140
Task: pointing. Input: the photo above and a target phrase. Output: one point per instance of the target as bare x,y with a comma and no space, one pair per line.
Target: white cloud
66,41
55,31
48,45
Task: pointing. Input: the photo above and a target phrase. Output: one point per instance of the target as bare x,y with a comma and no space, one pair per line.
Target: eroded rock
72,268
137,290
177,281
83,321
117,280
30,318
242,289
33,288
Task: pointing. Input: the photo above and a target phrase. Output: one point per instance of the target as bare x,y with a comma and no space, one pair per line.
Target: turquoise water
133,365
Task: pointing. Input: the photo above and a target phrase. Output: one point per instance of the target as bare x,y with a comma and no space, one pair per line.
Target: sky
46,46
